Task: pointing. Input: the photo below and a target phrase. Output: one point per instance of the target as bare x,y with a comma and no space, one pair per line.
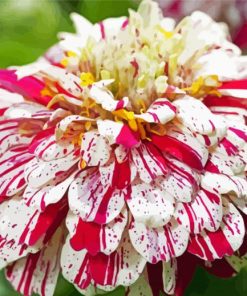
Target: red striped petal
225,241
30,87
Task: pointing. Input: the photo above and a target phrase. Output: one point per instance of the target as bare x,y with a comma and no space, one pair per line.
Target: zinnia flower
123,157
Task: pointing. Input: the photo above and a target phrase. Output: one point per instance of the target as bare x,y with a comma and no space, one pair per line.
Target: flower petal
29,87
38,273
222,164
224,184
46,148
95,150
204,212
161,111
8,98
68,83
103,238
159,244
169,276
225,241
118,133
29,226
149,161
183,147
190,112
140,287
12,165
38,173
101,95
10,136
182,182
40,198
150,205
123,267
93,201
75,266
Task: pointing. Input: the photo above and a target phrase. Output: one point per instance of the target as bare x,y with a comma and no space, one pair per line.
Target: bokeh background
27,29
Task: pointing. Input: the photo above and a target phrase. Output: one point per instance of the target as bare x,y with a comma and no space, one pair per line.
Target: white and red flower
124,157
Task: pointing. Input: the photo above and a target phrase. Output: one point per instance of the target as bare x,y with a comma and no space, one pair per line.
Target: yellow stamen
167,34
143,106
204,86
54,100
173,59
141,130
88,125
47,92
87,79
105,74
64,62
82,164
128,116
71,54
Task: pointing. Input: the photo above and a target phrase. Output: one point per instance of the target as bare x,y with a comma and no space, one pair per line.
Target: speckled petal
195,115
149,161
182,182
93,201
39,173
225,241
204,212
12,165
103,238
159,244
223,184
38,273
150,204
94,149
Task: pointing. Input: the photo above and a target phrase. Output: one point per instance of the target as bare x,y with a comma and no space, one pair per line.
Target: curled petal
160,111
67,83
67,123
101,95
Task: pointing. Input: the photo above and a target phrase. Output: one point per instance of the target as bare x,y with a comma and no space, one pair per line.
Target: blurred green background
27,29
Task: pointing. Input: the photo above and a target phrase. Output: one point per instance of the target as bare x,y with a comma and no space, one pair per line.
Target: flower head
124,151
